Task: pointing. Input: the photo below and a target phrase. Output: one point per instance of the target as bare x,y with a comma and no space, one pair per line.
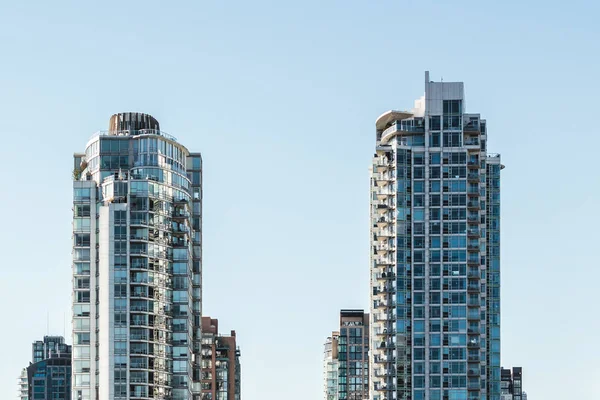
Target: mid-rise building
346,358
137,212
435,252
221,368
511,384
48,375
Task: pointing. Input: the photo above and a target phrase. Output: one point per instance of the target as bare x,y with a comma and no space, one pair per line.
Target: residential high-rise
346,358
435,252
23,386
48,376
330,367
512,384
221,368
137,209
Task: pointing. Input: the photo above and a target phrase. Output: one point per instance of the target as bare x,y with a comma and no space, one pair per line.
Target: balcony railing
134,133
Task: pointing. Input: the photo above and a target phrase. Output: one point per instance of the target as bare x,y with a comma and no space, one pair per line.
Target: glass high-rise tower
137,210
435,253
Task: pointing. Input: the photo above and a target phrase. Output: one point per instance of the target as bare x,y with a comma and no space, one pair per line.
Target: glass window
434,123
434,139
419,187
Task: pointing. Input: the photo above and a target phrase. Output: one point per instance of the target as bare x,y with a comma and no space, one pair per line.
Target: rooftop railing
134,133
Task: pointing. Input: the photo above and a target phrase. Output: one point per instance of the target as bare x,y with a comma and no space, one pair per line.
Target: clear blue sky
281,100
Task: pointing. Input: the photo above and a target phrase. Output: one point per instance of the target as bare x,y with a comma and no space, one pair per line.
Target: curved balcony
383,178
390,116
383,221
384,234
384,261
399,129
383,248
383,193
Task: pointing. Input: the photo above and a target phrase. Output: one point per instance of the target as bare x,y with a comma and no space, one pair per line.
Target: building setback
137,208
435,252
346,358
221,368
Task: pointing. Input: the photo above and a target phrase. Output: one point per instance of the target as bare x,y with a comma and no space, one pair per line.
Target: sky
281,100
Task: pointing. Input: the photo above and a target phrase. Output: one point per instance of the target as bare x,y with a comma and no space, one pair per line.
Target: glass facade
136,265
435,260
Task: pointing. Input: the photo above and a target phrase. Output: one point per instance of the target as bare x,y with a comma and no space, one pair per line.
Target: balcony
472,232
384,234
384,247
384,206
473,287
473,315
472,125
473,273
402,128
473,177
473,205
180,214
383,163
471,141
384,261
383,221
474,262
384,192
383,178
386,276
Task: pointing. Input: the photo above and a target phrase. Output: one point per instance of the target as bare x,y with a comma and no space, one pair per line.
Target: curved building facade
435,259
137,211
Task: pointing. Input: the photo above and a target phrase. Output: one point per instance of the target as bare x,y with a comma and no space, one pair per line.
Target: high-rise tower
435,253
137,213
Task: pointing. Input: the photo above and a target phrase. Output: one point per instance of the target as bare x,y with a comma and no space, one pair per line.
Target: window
434,139
419,186
452,139
120,290
82,239
81,210
80,194
452,107
418,159
81,224
434,123
419,173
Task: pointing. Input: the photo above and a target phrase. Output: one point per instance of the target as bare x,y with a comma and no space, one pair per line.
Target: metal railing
134,133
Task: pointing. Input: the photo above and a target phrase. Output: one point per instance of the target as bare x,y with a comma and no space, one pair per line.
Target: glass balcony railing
472,126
